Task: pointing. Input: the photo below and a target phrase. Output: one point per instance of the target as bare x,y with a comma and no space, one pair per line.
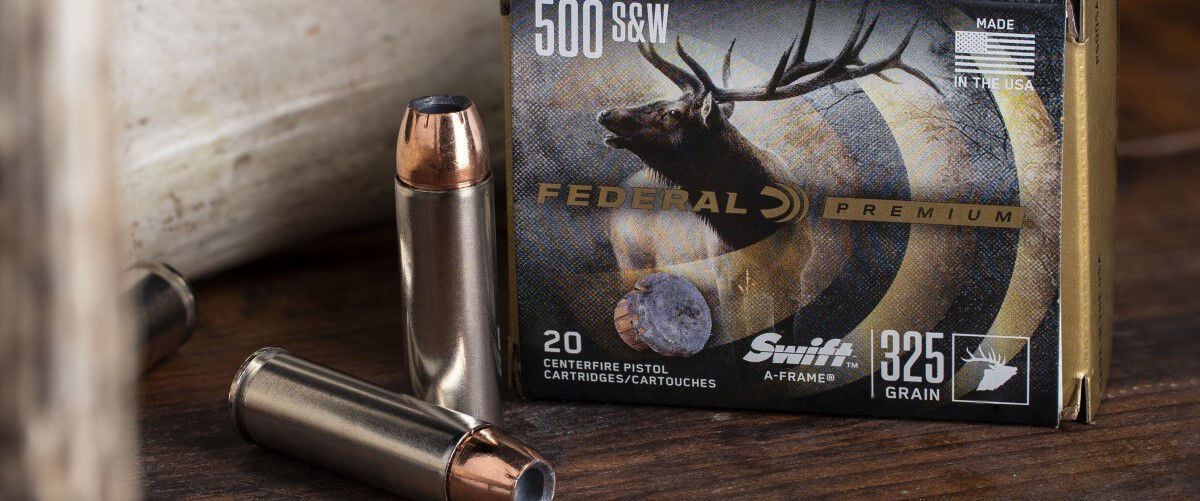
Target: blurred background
250,145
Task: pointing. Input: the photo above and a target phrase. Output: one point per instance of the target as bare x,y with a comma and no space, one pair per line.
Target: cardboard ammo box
893,209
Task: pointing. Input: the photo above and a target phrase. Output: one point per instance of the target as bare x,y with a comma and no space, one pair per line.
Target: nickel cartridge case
164,309
396,442
446,228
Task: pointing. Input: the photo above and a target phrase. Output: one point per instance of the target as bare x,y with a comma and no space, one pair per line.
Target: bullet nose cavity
440,104
535,484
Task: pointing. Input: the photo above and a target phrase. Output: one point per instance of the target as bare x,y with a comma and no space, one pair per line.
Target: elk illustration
690,142
997,372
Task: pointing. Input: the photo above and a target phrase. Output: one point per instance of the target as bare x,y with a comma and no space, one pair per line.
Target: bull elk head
996,374
690,142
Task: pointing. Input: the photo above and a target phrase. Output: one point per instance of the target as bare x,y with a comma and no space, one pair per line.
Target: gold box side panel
1089,190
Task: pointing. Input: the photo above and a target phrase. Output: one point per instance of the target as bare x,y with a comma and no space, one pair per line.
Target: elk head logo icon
996,374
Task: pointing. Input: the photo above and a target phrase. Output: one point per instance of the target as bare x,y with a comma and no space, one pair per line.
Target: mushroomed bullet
664,313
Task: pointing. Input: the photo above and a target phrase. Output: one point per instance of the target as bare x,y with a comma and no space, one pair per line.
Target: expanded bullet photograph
526,250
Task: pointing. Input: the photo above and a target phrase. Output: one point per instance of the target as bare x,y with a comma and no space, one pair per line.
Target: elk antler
991,358
794,75
686,81
681,78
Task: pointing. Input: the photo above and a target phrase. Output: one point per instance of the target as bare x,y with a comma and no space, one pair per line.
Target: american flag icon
994,53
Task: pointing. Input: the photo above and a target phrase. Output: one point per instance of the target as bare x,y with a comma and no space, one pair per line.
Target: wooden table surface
334,301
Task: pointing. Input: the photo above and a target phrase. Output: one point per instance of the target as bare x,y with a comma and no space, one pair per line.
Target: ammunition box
896,209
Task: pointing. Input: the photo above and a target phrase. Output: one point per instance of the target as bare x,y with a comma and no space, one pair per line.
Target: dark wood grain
334,301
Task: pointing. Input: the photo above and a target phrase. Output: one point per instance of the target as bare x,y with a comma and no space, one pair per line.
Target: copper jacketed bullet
446,228
396,442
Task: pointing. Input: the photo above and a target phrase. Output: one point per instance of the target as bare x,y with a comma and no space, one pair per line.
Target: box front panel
716,205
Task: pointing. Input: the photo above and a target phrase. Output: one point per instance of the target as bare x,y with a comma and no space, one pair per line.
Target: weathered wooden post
66,365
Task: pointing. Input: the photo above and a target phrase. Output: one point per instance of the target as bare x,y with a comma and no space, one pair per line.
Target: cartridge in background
164,309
